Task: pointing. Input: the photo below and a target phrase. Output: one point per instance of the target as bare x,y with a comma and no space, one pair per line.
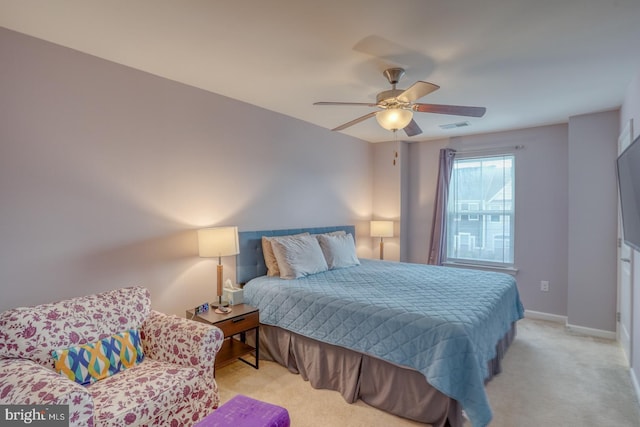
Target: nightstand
242,319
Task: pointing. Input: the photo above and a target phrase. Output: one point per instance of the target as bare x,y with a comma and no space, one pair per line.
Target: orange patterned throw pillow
88,363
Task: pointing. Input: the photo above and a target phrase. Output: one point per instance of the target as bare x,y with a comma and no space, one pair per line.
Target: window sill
509,270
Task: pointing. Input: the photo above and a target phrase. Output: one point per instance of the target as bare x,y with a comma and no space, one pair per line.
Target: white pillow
298,256
269,258
339,250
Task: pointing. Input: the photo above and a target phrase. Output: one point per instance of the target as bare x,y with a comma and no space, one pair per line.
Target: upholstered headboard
250,261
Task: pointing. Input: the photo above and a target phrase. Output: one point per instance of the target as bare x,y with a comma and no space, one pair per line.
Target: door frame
624,140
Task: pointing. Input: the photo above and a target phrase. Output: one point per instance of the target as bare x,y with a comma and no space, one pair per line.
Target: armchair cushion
140,394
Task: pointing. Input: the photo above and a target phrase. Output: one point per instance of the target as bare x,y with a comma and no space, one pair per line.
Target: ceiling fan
397,105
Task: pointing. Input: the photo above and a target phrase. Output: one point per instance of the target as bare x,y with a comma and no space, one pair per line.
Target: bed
414,340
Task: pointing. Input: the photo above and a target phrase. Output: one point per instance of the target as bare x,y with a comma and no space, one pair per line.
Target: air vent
454,125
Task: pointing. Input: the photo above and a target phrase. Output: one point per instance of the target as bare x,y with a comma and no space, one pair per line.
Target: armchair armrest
177,340
24,382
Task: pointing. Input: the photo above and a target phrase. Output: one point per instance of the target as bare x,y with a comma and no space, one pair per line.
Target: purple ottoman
242,411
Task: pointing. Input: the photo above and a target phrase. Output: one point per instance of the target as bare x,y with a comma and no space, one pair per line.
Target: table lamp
216,243
381,229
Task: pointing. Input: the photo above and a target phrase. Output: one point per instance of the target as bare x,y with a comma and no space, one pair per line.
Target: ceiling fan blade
364,104
356,121
454,110
412,129
417,91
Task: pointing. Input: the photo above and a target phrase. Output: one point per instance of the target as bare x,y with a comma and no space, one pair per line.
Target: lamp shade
381,228
394,118
218,242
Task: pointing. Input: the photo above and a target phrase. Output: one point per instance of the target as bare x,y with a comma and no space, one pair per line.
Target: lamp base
220,303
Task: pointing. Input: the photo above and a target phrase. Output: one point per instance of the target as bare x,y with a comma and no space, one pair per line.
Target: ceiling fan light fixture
394,118
396,106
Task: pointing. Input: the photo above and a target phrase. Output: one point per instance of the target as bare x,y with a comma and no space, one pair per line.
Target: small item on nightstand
203,308
232,293
223,310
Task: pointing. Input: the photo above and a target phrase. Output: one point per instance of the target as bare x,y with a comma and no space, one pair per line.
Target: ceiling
530,63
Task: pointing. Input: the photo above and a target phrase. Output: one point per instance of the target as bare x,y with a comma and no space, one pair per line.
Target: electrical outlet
544,286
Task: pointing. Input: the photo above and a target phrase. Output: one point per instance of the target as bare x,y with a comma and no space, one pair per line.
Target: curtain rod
491,149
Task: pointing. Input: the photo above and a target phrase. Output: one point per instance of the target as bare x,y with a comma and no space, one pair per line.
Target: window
480,210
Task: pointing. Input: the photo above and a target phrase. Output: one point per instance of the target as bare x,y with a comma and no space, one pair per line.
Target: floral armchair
173,385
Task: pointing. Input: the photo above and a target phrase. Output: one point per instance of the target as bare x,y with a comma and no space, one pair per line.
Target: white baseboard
539,315
599,333
636,385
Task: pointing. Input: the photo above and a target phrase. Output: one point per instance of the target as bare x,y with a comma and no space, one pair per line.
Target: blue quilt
443,322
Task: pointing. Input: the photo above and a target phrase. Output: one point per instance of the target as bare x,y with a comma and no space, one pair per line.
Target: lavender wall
387,184
541,207
593,147
105,173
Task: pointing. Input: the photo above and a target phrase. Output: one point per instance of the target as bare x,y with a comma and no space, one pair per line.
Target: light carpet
550,377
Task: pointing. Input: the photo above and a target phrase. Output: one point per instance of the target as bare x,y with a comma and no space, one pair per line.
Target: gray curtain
438,243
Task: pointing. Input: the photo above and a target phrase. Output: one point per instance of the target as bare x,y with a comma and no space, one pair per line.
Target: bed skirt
395,389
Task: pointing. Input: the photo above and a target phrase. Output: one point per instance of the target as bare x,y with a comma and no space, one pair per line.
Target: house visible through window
480,210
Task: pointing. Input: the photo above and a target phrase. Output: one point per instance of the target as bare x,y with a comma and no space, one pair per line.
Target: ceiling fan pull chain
395,151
